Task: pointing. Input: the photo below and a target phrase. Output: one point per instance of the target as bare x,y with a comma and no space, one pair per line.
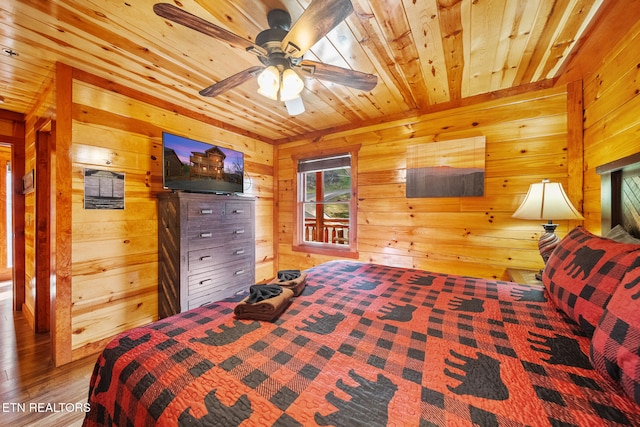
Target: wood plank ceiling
424,52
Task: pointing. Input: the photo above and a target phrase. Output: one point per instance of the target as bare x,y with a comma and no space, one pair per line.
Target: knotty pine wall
526,141
611,116
114,253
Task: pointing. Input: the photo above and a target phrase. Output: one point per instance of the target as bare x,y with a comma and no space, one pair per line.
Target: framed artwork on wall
28,182
103,189
446,168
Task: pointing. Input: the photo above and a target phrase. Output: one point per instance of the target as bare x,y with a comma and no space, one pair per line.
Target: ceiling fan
280,48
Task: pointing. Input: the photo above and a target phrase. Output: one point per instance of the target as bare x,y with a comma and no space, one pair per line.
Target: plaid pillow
615,347
582,273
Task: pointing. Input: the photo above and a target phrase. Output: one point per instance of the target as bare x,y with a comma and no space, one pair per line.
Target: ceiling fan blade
320,17
343,76
194,22
231,81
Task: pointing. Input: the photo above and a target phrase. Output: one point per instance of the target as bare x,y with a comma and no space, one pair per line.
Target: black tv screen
198,167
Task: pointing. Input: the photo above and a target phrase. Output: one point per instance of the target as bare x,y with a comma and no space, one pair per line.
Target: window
326,205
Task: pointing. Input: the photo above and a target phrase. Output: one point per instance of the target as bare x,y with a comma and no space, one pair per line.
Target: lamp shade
547,201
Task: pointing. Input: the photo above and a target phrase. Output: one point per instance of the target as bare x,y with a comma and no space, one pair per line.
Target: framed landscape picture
446,168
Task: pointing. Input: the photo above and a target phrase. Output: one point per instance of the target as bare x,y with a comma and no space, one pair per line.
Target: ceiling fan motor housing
271,41
280,19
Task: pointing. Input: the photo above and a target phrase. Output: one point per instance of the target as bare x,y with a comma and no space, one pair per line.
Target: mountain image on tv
445,181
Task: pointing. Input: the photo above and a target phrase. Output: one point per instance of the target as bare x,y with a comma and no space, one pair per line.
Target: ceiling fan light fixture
279,48
269,82
295,106
292,85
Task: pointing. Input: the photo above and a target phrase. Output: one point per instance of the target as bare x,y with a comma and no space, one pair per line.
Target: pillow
615,346
582,273
619,234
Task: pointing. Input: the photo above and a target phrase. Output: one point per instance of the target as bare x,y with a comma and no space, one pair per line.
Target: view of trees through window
327,196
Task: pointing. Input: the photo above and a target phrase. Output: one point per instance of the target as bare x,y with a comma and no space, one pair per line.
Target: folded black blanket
267,310
259,293
286,275
296,285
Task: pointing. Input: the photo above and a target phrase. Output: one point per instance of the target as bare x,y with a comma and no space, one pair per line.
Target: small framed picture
103,189
28,182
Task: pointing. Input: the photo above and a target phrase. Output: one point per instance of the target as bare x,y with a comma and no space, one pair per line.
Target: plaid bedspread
364,345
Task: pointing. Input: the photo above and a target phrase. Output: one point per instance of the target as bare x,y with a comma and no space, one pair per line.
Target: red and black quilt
364,345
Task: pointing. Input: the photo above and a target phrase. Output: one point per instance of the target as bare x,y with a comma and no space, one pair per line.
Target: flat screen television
194,166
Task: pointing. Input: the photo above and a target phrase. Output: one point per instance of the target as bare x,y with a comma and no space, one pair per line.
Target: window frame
349,250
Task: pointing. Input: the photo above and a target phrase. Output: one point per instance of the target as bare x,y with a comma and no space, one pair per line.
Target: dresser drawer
216,294
235,211
220,276
236,251
202,259
202,283
205,235
208,258
201,209
203,300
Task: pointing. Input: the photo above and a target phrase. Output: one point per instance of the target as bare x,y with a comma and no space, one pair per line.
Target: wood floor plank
33,392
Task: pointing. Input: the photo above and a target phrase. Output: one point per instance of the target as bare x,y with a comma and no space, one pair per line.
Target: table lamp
547,201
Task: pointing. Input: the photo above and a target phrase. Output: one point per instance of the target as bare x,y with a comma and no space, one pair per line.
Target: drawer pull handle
239,252
238,211
239,231
239,272
207,234
206,211
205,281
205,258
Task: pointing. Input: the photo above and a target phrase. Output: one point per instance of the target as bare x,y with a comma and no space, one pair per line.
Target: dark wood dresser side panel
168,253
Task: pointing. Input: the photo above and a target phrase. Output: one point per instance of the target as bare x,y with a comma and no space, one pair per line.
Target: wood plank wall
526,141
113,280
611,116
115,253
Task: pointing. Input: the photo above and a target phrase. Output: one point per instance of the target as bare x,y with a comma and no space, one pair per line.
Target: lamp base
548,241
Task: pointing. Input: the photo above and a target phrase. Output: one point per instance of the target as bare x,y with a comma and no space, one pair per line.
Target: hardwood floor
32,390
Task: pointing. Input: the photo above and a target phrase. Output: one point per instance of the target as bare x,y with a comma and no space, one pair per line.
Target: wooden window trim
346,251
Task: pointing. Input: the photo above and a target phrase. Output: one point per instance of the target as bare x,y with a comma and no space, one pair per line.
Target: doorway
6,220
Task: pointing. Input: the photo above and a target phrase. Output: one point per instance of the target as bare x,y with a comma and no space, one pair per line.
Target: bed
373,345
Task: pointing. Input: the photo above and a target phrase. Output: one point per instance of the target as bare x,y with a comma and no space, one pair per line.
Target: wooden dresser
206,249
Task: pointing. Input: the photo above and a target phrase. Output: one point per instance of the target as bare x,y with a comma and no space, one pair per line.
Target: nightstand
524,276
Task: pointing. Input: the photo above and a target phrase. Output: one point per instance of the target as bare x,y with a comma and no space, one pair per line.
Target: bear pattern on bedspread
363,345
